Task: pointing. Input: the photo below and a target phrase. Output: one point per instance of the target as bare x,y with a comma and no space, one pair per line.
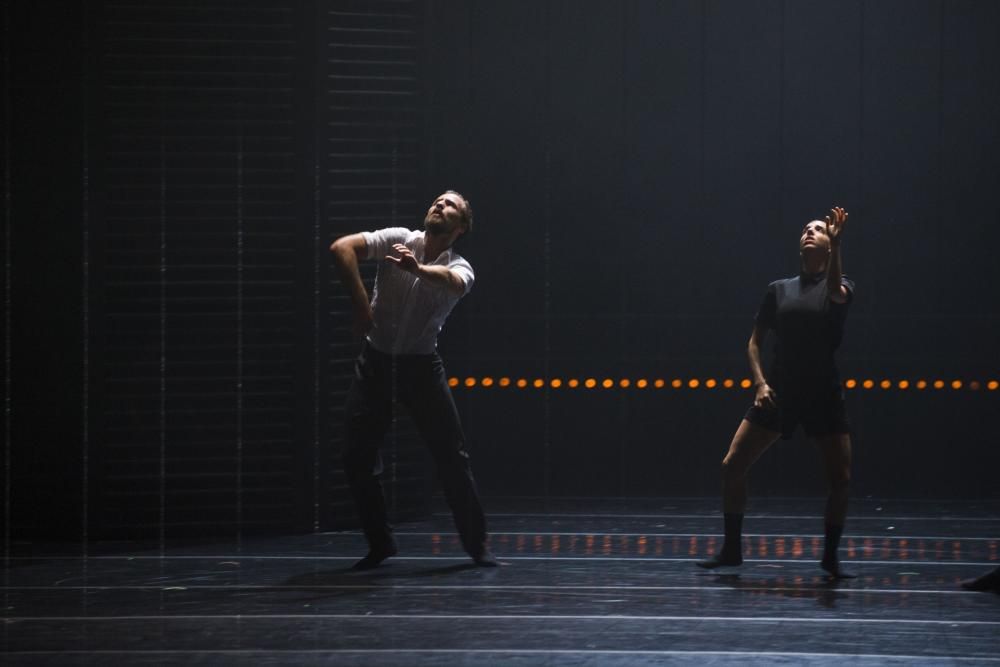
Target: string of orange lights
697,383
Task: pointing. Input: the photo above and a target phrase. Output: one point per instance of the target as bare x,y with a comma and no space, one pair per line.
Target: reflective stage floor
581,582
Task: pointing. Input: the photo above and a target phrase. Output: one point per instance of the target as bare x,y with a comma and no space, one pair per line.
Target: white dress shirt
409,312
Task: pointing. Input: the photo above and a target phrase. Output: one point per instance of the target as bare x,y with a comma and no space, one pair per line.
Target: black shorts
821,415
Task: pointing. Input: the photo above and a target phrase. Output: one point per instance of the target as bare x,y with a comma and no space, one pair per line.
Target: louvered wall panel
200,278
239,139
372,100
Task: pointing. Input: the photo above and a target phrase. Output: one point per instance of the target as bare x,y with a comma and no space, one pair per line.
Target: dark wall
641,170
175,346
45,309
177,350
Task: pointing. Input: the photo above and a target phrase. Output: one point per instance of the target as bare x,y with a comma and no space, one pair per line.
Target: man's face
445,214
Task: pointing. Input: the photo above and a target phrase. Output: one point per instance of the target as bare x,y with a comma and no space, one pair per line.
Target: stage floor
582,582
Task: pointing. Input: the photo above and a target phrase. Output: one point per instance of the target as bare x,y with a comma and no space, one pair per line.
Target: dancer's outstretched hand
835,223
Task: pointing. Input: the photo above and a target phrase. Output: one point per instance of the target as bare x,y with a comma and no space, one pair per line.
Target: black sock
831,562
733,526
731,553
832,543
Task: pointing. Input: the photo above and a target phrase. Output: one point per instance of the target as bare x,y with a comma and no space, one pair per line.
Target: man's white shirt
409,312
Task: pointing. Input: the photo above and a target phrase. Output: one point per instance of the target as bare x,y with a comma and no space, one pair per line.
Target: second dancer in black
806,313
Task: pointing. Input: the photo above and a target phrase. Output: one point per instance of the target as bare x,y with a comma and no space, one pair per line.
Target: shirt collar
445,255
811,278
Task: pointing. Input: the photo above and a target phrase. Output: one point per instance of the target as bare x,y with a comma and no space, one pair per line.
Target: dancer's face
814,237
445,214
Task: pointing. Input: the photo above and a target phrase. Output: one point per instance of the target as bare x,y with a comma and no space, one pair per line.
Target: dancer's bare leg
836,451
749,442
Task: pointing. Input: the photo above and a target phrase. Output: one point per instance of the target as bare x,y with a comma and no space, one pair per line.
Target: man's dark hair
466,210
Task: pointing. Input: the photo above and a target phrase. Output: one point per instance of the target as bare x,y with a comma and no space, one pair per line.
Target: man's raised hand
406,260
835,223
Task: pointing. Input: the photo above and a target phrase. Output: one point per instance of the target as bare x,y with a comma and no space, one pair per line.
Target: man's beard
437,225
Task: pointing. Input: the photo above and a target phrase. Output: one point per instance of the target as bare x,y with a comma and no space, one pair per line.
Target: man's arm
435,274
347,251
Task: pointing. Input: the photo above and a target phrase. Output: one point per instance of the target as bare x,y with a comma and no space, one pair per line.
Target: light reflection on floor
595,585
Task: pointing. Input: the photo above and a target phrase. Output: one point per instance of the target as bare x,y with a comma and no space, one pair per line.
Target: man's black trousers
419,383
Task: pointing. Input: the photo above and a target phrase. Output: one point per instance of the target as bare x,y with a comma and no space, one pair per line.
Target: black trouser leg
368,414
436,417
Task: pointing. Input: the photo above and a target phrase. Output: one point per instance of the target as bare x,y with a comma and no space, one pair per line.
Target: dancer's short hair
466,210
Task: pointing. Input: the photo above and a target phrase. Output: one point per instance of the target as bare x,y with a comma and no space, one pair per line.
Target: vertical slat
200,266
240,139
372,102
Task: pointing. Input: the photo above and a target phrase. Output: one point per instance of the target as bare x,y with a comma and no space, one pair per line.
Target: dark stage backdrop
642,170
177,350
175,345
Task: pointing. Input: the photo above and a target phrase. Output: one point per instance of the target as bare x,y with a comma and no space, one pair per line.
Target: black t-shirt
808,329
